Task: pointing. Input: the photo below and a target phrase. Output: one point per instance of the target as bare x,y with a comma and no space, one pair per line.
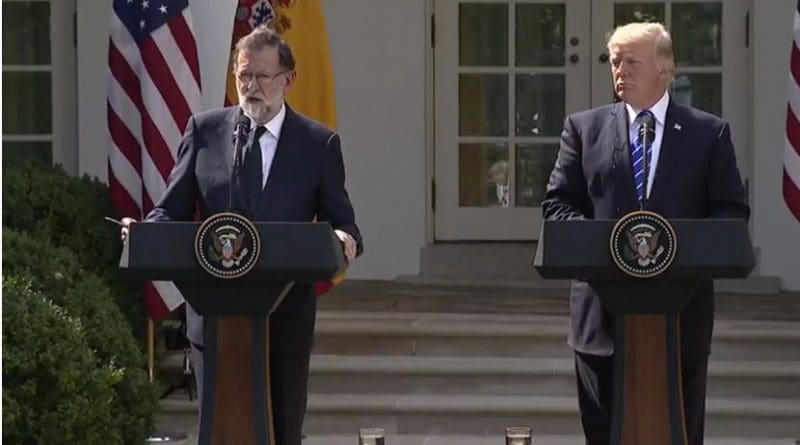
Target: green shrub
68,211
54,390
84,295
110,336
56,269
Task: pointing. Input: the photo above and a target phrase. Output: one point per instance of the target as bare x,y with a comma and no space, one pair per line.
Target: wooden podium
648,404
236,405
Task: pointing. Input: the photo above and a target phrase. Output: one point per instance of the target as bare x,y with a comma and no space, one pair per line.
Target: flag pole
151,348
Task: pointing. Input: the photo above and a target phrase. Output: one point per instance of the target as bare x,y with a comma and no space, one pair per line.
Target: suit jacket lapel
225,138
283,152
669,155
622,158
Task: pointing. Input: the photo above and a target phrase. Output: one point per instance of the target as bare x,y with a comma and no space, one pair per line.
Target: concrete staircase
436,365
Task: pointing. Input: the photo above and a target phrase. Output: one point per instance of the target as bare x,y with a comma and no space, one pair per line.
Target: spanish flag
302,25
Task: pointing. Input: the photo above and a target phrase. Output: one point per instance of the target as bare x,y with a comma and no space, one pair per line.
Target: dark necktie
252,171
638,151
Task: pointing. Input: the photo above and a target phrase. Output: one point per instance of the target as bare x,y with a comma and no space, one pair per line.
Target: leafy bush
84,295
54,391
68,211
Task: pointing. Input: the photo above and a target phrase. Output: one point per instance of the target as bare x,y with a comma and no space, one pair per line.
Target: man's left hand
348,244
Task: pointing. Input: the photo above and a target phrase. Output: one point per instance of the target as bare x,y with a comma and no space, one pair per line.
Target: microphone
240,134
648,130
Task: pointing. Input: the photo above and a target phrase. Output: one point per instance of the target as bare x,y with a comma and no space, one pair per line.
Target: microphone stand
645,163
240,134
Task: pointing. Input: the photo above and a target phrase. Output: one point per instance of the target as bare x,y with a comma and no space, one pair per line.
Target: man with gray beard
292,171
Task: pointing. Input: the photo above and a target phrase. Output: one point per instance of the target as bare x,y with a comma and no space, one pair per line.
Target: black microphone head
243,120
648,127
242,127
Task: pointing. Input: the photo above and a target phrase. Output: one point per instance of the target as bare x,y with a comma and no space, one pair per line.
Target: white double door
508,72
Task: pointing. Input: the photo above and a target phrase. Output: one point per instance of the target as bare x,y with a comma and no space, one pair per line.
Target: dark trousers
291,334
595,396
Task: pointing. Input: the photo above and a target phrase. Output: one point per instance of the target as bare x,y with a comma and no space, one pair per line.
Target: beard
258,110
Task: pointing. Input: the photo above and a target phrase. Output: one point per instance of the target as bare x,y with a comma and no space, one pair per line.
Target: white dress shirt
269,141
659,111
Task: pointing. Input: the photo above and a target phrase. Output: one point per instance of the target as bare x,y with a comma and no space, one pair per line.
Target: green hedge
68,211
54,389
83,295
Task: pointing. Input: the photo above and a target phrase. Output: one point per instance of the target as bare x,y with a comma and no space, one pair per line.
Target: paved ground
476,440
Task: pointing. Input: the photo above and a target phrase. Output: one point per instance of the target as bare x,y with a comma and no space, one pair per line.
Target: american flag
153,89
791,160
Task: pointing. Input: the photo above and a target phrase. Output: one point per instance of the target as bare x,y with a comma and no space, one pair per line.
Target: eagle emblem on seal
228,248
643,244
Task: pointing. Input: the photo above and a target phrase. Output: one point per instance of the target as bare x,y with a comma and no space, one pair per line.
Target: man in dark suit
292,171
692,174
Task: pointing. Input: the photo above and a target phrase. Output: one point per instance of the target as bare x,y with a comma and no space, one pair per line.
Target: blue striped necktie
638,151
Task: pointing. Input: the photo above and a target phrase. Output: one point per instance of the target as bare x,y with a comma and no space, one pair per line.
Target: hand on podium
348,244
125,227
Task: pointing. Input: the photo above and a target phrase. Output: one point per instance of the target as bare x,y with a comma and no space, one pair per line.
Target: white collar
274,125
659,110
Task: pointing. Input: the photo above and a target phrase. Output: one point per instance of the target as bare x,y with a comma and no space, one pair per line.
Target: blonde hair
647,32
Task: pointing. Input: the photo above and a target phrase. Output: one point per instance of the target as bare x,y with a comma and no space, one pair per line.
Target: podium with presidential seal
645,270
235,273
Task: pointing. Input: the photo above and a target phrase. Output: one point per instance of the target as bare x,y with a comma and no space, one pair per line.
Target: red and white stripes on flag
153,89
791,160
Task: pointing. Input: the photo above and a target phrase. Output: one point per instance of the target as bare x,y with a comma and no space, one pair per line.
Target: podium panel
648,406
237,403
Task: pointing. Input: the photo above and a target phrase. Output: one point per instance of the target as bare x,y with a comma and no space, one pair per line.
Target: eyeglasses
262,79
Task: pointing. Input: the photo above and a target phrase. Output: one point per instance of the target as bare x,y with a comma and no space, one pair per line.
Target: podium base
648,395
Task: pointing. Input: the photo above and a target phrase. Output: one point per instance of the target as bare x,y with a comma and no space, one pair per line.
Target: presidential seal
227,245
643,244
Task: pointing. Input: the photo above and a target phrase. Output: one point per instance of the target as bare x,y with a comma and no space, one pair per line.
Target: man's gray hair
261,37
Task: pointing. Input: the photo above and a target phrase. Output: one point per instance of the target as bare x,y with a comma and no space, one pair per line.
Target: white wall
379,65
92,73
378,51
775,231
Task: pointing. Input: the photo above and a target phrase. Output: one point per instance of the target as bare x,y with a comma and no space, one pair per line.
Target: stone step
754,284
482,295
509,376
506,335
488,415
522,376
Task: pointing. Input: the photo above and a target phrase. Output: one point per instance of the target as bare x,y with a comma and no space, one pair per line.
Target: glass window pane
540,104
625,13
483,175
27,103
697,33
703,91
483,34
26,33
17,153
483,105
540,35
534,164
